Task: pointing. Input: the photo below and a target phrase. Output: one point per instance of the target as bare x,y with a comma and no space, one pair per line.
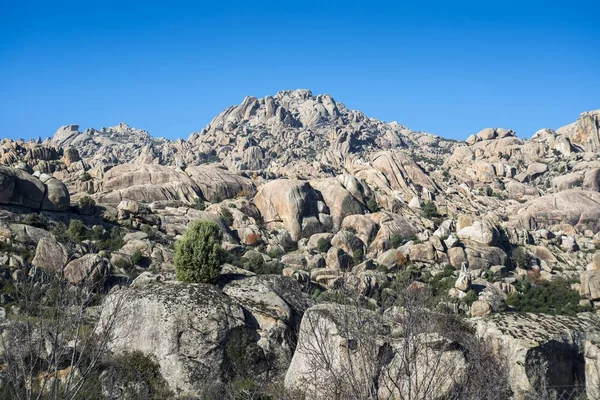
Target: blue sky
450,68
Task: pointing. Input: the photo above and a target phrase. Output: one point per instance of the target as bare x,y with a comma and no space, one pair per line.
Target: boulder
591,180
480,256
463,282
483,232
339,201
147,183
589,287
457,256
290,204
19,188
276,304
424,252
579,208
539,347
50,255
480,308
348,242
184,327
90,270
218,184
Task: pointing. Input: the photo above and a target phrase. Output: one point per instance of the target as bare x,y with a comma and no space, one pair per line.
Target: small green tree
77,231
198,255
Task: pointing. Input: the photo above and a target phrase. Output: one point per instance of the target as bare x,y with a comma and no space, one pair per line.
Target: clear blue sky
450,68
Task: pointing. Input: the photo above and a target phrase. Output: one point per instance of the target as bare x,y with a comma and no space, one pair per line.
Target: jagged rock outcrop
585,132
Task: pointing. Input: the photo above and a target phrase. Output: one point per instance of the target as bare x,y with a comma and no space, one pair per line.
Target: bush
198,255
372,205
136,257
37,220
150,231
554,297
521,257
85,177
87,202
323,245
227,216
358,256
397,240
134,375
77,231
60,231
429,210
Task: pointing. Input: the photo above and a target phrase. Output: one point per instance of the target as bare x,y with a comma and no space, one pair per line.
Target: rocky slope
335,203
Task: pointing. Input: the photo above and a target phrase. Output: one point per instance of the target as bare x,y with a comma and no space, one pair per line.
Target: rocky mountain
322,207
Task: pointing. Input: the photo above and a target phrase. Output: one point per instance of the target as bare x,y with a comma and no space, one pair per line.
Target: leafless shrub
50,349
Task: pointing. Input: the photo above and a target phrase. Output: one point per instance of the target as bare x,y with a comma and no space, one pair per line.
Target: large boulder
19,188
220,184
480,256
148,183
291,204
483,232
56,197
590,284
185,327
50,255
579,208
348,352
276,304
539,347
90,270
340,201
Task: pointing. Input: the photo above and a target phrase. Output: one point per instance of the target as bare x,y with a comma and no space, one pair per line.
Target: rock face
19,188
575,207
294,205
276,304
186,327
329,356
585,132
541,347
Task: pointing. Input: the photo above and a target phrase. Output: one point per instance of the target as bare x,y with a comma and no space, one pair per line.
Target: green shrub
443,281
77,231
199,204
150,231
470,298
358,256
554,297
137,375
323,245
87,202
521,257
198,255
372,205
397,240
227,216
60,231
37,220
85,177
429,210
136,257
489,191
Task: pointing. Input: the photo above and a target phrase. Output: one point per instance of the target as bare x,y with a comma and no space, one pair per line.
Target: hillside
324,213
